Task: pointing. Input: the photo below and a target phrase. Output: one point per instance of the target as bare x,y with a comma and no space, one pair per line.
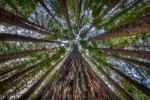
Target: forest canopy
49,49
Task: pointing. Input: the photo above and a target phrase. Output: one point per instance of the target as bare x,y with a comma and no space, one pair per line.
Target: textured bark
3,72
63,7
121,3
78,14
141,25
18,88
74,81
139,86
132,61
32,89
16,55
5,83
104,13
14,37
112,82
49,12
134,53
16,20
104,86
78,9
138,47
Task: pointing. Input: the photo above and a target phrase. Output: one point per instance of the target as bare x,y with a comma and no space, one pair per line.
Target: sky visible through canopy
111,32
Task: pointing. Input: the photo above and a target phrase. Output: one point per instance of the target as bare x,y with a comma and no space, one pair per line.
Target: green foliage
90,11
21,7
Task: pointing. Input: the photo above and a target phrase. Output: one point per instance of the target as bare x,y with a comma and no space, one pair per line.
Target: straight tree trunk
140,25
78,14
3,72
73,76
24,20
12,56
5,83
104,13
112,82
140,46
104,86
134,53
16,20
49,12
32,89
6,97
139,86
63,7
132,61
14,37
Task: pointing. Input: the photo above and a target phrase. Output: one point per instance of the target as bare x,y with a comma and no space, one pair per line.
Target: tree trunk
141,25
112,82
12,79
12,56
78,14
104,13
3,72
134,53
140,46
139,86
132,61
14,37
32,89
73,76
49,12
63,7
13,19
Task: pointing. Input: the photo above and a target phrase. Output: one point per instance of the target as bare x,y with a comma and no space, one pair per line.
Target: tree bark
12,79
141,25
49,12
14,37
105,12
112,82
63,7
16,55
134,53
139,86
132,61
32,89
16,20
74,76
136,46
3,72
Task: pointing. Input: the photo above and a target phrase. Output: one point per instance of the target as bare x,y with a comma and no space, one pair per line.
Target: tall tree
32,89
16,20
139,86
132,61
120,89
140,25
63,7
11,69
16,55
25,74
12,79
134,53
21,38
74,75
49,12
99,18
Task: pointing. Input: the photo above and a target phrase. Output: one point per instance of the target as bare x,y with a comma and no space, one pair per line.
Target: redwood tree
35,36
